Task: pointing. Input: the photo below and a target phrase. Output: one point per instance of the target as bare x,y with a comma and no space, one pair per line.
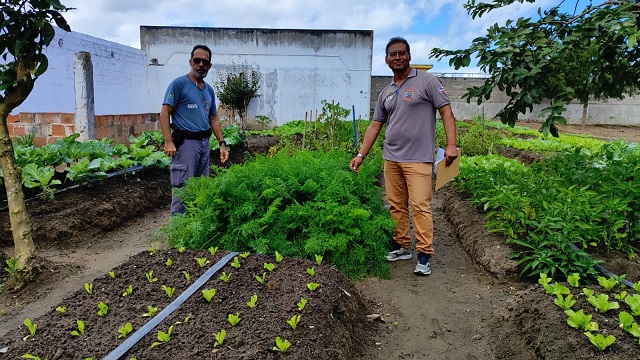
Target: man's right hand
170,149
355,163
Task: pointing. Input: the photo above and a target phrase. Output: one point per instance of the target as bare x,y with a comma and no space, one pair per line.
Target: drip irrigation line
109,175
600,268
144,330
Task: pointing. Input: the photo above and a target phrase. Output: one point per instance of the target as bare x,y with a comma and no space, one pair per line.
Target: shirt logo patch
441,89
192,106
408,94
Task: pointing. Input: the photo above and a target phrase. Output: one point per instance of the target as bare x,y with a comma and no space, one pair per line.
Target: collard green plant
85,171
34,176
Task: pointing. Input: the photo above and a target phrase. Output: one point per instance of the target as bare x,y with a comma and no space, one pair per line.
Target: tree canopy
589,53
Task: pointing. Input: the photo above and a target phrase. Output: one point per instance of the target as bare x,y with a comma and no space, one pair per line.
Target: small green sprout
252,302
213,250
225,277
564,302
163,337
621,296
208,294
587,292
220,335
245,254
202,261
236,262
169,262
61,309
602,303
186,274
600,341
608,284
279,257
318,259
150,277
31,326
80,329
312,286
627,324
103,309
634,304
168,290
301,304
112,274
128,291
181,249
89,288
151,311
293,322
281,345
311,271
269,266
152,249
261,278
234,319
580,320
574,280
29,356
125,330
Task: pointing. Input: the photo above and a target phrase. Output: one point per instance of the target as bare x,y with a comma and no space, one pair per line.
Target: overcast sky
424,23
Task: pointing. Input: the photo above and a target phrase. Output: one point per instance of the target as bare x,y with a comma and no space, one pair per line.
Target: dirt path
88,261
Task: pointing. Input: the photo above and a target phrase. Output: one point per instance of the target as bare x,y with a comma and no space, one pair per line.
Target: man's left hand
450,154
224,154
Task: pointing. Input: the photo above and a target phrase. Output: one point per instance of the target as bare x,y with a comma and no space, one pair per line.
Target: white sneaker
400,254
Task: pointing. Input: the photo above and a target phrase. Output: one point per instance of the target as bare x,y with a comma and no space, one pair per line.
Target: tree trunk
585,107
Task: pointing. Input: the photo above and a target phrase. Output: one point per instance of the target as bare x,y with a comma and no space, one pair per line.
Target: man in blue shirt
187,118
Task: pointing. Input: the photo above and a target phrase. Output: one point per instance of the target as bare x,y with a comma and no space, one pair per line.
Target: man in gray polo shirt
408,107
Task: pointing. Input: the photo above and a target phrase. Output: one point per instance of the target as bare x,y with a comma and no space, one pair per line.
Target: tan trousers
410,183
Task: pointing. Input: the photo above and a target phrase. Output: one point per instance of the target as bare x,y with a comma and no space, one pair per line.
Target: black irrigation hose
144,330
115,173
601,269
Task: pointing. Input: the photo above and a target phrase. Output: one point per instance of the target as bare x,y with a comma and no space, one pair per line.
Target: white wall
298,68
119,75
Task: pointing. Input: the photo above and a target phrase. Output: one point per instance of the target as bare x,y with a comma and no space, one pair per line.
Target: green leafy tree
25,30
236,91
557,58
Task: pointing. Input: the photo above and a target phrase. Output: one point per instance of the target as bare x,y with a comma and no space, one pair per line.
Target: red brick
58,130
68,118
18,131
27,117
13,118
40,118
40,141
53,118
51,140
104,132
72,129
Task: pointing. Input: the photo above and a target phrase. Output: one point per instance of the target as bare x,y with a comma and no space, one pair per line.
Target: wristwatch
361,156
222,143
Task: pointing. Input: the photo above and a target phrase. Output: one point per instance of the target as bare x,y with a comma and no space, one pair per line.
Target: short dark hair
203,47
395,40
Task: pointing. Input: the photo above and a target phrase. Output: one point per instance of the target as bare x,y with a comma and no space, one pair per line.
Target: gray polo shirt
409,111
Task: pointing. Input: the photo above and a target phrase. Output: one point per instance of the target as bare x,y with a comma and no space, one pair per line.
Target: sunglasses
204,62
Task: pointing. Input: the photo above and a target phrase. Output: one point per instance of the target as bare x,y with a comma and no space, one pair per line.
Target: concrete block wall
49,127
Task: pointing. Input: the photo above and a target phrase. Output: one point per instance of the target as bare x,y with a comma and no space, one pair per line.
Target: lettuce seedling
293,322
163,337
236,262
564,302
261,278
558,289
186,274
621,296
574,280
169,262
311,271
202,261
252,302
580,320
269,266
181,249
220,335
318,259
225,277
168,290
244,254
234,319
152,249
213,250
61,309
103,309
208,294
128,291
279,257
151,311
32,328
636,287
587,292
602,303
29,356
312,286
301,304
281,345
627,324
634,304
600,341
150,277
80,329
89,288
125,330
608,284
112,274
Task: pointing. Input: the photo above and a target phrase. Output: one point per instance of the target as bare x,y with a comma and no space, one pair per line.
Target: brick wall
48,127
